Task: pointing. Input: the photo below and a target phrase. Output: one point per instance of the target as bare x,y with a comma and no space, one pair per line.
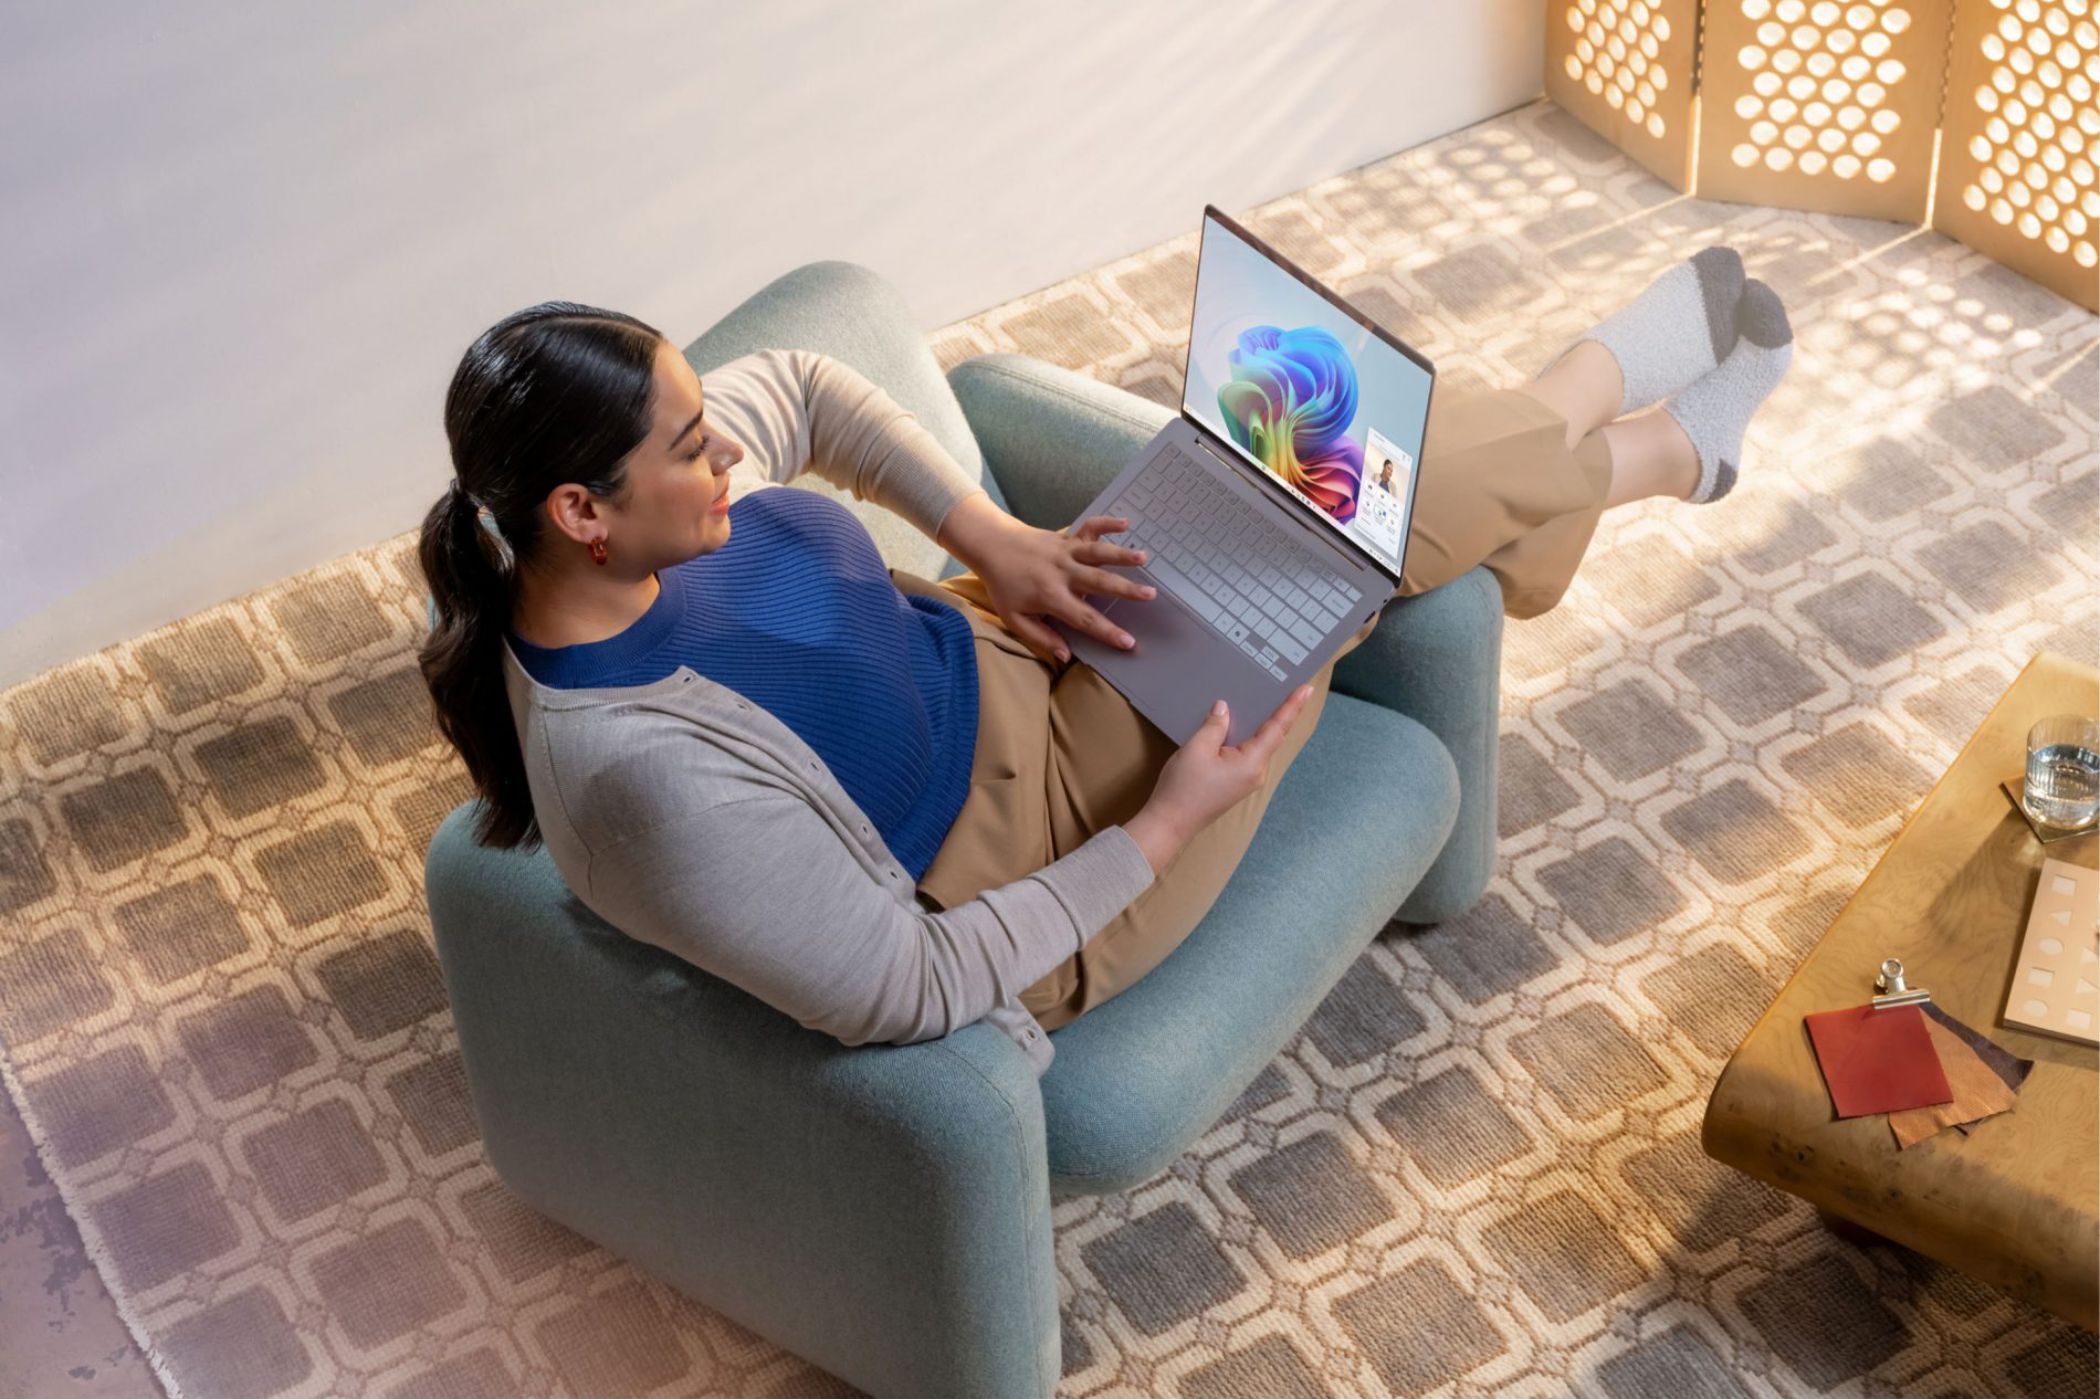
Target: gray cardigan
690,818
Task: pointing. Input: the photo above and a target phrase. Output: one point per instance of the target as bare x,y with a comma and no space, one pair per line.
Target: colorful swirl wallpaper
1305,390
1289,402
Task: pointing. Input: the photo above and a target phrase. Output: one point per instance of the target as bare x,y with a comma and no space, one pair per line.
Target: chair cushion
1361,814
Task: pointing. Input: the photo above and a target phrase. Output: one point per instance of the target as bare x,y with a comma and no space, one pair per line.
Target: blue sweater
797,614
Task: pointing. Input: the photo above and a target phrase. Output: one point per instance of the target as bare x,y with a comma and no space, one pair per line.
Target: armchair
885,1212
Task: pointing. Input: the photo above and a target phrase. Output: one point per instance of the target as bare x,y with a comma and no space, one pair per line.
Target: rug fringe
90,1236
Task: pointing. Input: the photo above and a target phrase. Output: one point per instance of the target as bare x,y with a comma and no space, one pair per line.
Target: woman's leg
1650,456
1516,479
1512,478
1650,453
1500,486
1104,759
1584,386
1689,447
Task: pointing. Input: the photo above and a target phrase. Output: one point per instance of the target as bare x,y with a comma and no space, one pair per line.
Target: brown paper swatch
1978,1091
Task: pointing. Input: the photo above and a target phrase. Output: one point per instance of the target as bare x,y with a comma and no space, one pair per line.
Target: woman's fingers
1044,639
1099,582
1094,549
1099,627
1101,551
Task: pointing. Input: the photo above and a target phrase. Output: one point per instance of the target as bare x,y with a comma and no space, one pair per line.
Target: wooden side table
2017,1201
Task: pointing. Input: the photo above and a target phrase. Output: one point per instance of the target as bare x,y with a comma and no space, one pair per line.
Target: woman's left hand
1034,574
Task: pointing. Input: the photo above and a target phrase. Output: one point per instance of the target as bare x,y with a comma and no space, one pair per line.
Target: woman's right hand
1207,777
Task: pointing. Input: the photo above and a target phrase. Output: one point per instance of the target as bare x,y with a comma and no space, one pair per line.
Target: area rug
1477,1170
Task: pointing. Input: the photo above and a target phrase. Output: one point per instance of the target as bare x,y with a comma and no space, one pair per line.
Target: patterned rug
1476,1171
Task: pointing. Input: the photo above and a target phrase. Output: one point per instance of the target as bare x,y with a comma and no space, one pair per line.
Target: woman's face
677,502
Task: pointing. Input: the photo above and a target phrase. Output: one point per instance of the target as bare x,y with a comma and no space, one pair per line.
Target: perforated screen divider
1822,105
1625,68
2021,140
1843,106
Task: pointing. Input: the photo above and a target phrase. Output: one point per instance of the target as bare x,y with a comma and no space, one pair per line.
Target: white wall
245,243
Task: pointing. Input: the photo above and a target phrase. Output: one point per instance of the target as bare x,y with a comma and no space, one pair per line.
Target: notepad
2056,977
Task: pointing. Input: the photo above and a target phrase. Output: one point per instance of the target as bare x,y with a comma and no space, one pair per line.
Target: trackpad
1178,668
1161,626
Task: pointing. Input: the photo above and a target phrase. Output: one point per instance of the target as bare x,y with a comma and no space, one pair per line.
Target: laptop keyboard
1259,588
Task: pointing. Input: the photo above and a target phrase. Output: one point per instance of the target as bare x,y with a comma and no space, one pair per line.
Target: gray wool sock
1678,329
1715,411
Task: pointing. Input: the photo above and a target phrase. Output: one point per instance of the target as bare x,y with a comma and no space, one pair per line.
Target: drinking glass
2063,772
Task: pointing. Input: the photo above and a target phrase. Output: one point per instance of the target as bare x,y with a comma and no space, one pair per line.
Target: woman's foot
1681,327
1715,411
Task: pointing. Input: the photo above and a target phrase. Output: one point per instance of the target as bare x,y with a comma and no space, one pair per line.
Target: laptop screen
1315,399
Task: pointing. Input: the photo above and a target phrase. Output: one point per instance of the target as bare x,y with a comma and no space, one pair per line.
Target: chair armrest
883,1212
1054,438
1437,658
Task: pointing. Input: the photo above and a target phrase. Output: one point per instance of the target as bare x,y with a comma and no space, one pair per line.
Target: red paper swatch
1878,1060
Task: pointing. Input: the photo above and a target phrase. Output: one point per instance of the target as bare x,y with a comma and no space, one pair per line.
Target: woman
890,807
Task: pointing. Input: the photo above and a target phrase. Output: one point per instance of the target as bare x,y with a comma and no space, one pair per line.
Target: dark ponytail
553,394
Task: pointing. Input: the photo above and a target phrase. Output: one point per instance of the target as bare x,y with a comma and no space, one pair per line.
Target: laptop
1275,508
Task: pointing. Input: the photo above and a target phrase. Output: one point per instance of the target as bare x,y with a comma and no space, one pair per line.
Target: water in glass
2063,785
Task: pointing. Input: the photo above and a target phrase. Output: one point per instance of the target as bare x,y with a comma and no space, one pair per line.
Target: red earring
598,555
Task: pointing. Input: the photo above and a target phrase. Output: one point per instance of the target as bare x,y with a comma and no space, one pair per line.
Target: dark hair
549,395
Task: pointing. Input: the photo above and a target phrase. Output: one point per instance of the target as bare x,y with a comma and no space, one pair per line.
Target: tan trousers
1061,755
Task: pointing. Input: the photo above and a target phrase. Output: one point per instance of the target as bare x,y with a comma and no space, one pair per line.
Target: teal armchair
884,1211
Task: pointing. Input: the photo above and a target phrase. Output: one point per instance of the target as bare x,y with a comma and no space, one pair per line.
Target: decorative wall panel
1822,105
1625,67
2021,140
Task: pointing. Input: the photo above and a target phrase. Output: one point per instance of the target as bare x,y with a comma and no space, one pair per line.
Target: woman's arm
798,410
764,893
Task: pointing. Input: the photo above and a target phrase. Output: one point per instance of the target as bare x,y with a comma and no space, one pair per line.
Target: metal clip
1894,992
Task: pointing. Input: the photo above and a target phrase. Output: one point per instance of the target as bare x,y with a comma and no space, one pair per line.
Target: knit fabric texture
1681,326
797,614
1715,410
